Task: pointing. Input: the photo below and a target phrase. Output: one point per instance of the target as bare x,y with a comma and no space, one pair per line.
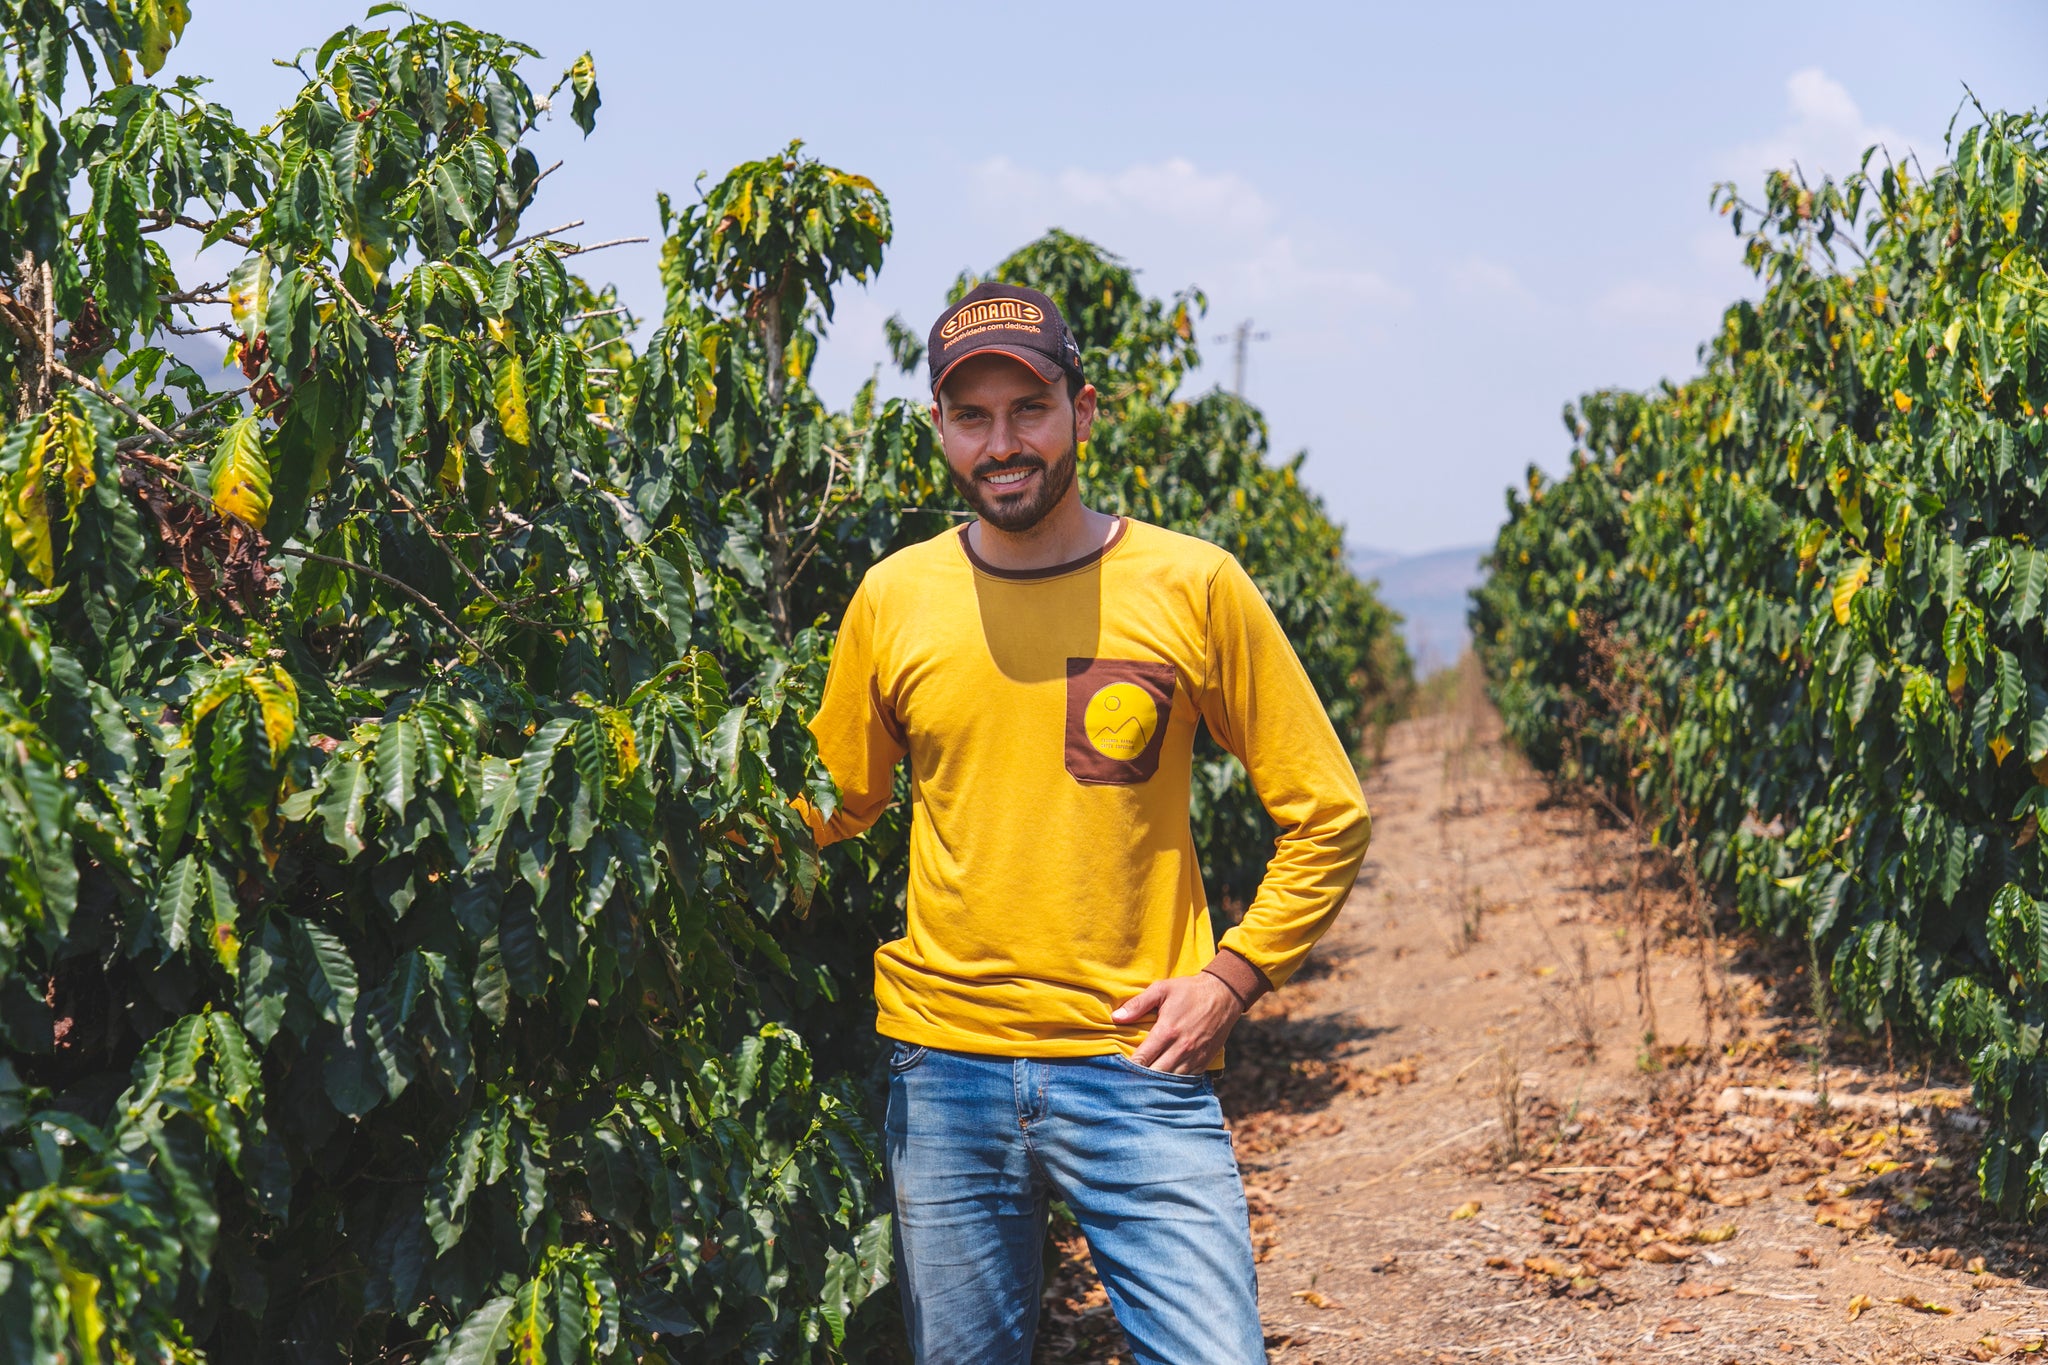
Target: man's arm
859,737
1261,706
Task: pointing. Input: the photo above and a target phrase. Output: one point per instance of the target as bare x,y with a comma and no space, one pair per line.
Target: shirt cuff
1236,971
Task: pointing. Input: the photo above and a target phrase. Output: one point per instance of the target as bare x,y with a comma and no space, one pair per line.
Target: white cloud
1825,134
1189,225
1475,277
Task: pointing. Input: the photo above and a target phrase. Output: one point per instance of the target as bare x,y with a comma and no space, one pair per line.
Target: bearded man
1058,1002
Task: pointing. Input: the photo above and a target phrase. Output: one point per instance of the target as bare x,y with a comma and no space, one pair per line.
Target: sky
1447,221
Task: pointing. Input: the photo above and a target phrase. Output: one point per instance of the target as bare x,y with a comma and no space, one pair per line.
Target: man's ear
1084,412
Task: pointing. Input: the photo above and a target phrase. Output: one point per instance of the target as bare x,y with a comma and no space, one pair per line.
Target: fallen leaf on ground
1545,1265
1468,1209
1920,1305
1314,1299
1692,1289
1677,1325
1850,1215
1663,1253
1719,1234
1858,1304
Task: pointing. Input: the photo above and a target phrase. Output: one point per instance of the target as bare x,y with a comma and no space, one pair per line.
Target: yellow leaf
1313,1298
241,473
501,331
508,390
1714,1235
1958,675
1571,618
1920,1305
2000,746
1847,586
1858,1304
1952,334
75,445
162,23
451,466
249,293
27,512
83,1291
1902,400
1468,1209
278,701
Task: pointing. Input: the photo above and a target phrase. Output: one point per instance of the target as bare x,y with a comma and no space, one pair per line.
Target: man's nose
1004,438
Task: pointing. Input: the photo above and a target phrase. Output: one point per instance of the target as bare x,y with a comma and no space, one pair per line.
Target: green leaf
240,1077
342,806
2029,584
398,762
176,897
327,969
482,1335
530,1320
538,761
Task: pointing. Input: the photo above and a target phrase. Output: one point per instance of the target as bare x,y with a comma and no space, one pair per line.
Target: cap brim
1042,366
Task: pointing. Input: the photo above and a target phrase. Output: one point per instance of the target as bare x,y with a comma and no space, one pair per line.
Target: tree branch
460,562
518,242
293,552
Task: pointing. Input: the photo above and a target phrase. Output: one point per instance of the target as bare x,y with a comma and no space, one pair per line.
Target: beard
1015,512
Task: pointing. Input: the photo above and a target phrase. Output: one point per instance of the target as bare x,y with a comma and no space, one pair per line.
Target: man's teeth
1004,480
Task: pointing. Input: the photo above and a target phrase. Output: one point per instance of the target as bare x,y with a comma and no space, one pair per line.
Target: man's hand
1196,1013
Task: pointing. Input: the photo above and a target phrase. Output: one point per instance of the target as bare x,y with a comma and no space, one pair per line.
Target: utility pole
1242,336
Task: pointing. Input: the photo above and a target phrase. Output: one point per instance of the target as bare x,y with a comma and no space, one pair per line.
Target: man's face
1010,438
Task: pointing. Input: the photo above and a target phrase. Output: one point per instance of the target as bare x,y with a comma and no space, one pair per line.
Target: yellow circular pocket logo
1120,720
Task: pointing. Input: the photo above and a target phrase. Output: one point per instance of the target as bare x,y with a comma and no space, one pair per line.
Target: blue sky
1449,219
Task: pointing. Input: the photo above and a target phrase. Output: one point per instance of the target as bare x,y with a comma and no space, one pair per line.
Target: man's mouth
1009,478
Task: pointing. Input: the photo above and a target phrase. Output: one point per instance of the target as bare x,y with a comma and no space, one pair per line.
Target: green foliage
403,937
393,855
1793,607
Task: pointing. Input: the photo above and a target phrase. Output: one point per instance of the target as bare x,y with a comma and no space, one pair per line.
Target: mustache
984,468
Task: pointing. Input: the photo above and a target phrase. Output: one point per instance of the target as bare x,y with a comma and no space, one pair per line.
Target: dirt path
1485,972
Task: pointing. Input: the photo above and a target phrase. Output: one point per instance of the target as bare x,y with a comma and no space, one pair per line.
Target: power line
1242,336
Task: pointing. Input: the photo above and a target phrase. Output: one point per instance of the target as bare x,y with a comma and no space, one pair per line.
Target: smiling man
1057,999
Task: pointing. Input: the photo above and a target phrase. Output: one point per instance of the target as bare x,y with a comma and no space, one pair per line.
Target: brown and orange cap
1003,319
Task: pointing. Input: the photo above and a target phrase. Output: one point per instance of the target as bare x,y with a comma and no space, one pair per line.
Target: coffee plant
408,948
1819,563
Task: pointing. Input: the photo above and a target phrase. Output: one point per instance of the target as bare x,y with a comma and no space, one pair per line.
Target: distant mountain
1431,591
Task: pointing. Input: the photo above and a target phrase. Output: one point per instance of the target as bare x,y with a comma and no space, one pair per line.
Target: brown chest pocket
1117,711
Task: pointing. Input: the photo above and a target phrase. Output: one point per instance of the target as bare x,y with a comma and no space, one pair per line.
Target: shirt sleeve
859,736
1260,705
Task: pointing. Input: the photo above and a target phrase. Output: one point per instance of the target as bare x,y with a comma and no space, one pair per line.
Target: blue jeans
977,1146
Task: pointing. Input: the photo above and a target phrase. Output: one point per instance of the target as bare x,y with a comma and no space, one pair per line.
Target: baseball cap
1003,319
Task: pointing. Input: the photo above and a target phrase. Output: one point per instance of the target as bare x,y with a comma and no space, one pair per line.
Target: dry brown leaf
1663,1253
1468,1209
1693,1289
1858,1304
1850,1215
1545,1265
1314,1299
1677,1325
1499,1263
1920,1305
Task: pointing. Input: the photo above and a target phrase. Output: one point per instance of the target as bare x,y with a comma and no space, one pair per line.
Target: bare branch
518,242
596,313
293,552
180,430
460,562
159,220
572,249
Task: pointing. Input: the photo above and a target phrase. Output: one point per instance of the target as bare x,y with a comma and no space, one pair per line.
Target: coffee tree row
1812,584
403,936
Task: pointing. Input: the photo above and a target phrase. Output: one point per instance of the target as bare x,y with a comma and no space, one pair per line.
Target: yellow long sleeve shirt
1049,720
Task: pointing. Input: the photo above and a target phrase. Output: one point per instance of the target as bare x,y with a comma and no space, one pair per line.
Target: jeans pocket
905,1056
1200,1078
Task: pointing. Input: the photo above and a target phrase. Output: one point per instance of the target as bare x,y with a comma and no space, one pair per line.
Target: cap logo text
992,313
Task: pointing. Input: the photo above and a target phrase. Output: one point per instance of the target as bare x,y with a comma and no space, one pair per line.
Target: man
1057,998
